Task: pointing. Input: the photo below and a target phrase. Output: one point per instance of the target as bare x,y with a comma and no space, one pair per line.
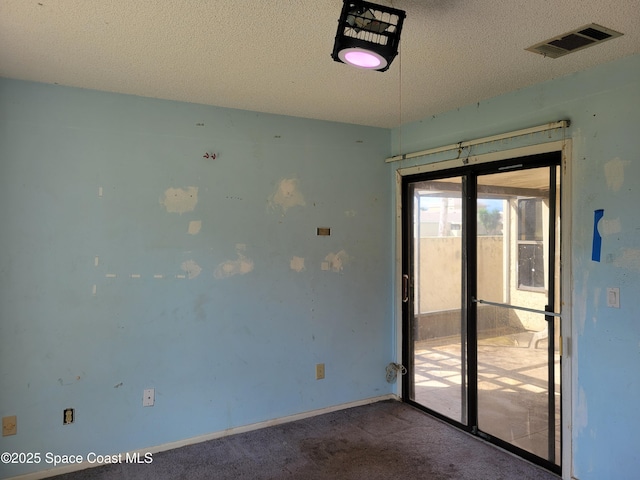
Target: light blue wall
603,105
221,350
224,352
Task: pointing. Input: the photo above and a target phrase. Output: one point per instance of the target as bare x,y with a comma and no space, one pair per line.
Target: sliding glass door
438,329
481,260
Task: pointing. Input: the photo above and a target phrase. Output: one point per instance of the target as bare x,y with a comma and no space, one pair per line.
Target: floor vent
573,41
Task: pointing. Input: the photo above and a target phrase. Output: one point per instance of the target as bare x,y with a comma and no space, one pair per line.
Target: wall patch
194,227
287,195
610,227
297,264
614,172
191,268
235,267
335,261
630,258
178,200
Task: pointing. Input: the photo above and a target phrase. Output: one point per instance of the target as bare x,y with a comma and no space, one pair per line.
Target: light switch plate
613,297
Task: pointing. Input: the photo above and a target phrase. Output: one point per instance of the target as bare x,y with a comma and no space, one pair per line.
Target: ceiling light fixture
368,35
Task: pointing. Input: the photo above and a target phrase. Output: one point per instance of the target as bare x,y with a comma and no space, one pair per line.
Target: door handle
547,312
405,288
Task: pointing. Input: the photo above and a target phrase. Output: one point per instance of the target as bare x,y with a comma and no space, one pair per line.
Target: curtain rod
477,141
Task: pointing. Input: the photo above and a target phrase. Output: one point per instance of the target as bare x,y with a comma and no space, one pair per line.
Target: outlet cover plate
148,397
9,425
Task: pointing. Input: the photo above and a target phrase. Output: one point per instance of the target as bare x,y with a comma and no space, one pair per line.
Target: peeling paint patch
630,258
336,261
194,227
614,173
609,227
287,195
191,268
178,200
240,266
297,264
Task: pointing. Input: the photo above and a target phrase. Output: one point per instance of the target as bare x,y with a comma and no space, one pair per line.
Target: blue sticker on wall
596,249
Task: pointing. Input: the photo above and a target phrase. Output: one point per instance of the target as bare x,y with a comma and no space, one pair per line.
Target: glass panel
530,219
513,354
530,265
439,365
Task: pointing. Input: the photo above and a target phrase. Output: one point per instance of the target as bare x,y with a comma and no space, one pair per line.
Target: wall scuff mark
235,267
191,268
287,195
630,258
582,414
178,200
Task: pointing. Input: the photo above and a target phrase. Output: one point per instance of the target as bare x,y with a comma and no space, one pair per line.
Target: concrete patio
512,387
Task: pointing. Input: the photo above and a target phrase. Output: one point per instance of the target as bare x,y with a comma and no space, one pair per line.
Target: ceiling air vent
573,41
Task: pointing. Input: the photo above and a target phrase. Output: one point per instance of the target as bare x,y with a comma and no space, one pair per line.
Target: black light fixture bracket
368,35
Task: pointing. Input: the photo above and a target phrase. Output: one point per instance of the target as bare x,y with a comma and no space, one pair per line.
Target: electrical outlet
319,371
148,397
9,425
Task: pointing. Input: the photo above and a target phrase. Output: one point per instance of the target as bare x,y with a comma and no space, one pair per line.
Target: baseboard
210,436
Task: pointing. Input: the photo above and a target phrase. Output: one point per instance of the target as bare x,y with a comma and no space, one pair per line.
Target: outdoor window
530,250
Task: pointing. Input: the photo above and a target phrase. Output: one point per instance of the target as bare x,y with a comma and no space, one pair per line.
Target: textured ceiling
274,56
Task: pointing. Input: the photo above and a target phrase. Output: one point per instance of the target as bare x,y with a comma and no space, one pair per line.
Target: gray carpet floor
381,441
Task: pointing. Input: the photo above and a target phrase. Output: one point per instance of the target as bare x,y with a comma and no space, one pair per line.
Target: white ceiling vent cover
573,41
